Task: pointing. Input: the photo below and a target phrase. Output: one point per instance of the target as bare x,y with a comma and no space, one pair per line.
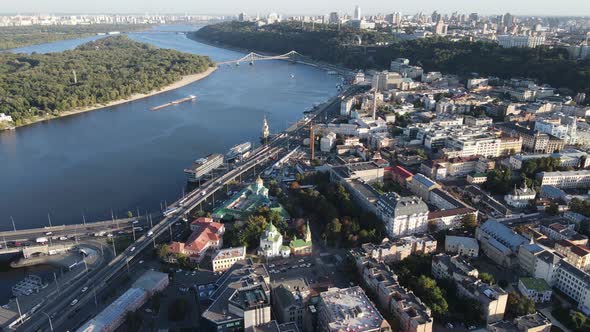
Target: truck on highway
150,233
41,240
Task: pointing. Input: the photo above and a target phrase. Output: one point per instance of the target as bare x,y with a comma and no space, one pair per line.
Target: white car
132,249
84,289
73,303
140,262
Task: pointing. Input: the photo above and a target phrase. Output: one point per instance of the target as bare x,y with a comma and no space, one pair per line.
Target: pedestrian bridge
251,57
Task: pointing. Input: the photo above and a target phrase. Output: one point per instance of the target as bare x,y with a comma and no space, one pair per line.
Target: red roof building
398,174
207,234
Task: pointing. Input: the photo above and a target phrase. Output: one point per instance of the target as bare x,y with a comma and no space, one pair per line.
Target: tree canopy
550,65
19,36
107,69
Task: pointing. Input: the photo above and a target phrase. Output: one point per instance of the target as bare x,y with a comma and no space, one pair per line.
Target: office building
535,322
499,242
203,167
566,180
577,255
421,186
507,41
574,283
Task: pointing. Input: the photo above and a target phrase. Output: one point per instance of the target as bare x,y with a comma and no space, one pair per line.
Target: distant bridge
251,57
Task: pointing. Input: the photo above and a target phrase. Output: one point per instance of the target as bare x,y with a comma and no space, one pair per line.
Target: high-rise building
440,28
334,18
357,13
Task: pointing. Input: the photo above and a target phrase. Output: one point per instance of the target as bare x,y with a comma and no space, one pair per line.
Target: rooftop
350,309
539,285
234,252
503,234
467,242
423,180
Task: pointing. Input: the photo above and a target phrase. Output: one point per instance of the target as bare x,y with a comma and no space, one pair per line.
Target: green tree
427,290
129,214
469,221
163,251
519,305
487,278
552,209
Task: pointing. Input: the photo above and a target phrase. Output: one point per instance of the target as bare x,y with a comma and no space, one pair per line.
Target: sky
227,7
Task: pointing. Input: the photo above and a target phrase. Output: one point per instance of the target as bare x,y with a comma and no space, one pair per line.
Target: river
126,157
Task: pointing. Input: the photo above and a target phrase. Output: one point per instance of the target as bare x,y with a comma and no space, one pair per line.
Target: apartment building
413,315
577,255
421,186
402,215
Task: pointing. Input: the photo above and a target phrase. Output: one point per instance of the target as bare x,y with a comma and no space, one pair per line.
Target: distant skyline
301,7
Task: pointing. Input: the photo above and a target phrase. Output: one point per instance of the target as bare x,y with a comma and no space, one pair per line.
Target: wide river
126,157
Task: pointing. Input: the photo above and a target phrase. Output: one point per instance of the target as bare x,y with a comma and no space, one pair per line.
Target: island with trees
339,45
109,70
19,36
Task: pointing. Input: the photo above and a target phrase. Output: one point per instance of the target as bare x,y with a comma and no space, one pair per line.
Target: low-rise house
461,245
537,290
224,259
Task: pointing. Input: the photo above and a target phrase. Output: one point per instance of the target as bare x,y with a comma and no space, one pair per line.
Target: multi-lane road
98,280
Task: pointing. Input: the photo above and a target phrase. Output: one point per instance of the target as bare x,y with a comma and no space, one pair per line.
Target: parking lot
321,272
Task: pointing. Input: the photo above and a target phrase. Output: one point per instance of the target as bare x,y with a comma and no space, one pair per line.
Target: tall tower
307,233
357,13
312,141
265,131
375,104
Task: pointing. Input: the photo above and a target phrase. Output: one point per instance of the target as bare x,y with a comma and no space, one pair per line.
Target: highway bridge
98,281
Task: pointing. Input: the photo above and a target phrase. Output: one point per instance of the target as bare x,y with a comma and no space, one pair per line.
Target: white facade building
520,41
402,215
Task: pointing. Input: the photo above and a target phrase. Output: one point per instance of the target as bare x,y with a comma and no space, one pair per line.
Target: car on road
132,249
135,222
141,262
73,303
84,289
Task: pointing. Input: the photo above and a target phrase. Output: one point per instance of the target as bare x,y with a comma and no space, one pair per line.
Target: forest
108,69
19,36
464,57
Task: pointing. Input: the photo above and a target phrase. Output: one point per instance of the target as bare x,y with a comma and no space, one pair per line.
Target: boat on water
239,151
175,102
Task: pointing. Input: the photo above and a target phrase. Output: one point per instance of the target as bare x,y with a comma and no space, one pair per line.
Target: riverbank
186,80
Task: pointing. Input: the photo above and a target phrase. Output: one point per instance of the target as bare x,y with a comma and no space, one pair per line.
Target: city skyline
304,7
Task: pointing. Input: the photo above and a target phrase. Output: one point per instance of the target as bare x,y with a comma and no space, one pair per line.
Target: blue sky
519,7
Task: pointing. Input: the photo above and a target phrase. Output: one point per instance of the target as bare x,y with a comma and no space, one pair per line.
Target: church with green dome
244,203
